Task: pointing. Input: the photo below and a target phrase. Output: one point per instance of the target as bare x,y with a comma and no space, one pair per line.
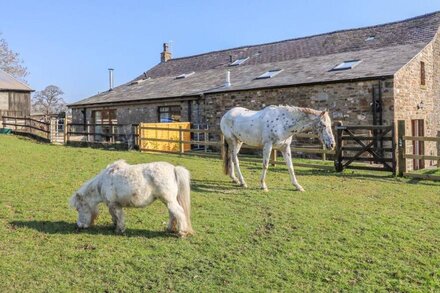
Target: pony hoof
183,234
244,185
300,189
265,189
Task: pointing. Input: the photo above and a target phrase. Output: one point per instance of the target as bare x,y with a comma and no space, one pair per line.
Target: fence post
393,147
222,147
401,147
180,140
338,155
65,130
438,149
324,154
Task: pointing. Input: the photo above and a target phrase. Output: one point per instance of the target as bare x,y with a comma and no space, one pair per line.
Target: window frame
422,73
340,67
239,61
170,112
270,73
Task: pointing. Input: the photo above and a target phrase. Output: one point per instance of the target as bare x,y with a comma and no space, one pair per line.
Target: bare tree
10,61
49,101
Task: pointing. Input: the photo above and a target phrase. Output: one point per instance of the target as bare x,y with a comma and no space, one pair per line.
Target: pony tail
226,155
183,197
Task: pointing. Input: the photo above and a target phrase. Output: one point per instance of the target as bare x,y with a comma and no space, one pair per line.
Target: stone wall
416,101
349,102
144,112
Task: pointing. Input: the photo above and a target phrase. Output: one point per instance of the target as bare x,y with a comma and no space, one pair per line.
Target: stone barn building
373,75
15,97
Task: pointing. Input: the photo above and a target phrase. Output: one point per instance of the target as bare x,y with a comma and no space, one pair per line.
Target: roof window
239,61
269,74
346,65
184,75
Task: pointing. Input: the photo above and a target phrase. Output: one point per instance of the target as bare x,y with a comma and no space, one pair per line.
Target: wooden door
418,129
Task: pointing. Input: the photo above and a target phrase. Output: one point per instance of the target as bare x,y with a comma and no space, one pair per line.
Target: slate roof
303,60
7,82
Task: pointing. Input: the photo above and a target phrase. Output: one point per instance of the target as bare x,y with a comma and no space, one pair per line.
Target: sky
71,44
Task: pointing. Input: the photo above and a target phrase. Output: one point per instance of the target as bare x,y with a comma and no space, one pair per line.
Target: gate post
180,140
401,147
338,154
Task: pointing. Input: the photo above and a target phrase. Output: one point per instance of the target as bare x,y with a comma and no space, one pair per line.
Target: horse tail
226,155
183,197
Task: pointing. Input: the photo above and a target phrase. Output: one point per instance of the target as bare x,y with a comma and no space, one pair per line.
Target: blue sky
72,43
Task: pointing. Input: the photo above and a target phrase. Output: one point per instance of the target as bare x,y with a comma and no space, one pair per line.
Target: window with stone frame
170,114
103,124
422,73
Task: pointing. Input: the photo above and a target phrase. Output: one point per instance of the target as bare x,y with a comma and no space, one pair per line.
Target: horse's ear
322,113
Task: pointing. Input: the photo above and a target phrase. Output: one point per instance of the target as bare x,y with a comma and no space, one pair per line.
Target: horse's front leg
267,149
287,155
117,217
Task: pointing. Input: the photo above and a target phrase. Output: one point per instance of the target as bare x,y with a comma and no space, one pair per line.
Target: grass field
348,232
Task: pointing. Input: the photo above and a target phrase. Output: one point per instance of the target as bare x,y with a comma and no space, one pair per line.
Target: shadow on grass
62,227
212,186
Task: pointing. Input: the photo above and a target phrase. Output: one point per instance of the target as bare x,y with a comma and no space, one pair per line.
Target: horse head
324,130
87,213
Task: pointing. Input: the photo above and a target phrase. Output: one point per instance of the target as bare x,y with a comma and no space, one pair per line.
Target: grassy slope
351,231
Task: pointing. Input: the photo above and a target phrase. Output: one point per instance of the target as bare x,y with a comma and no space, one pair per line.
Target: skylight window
370,38
269,74
239,61
346,65
184,75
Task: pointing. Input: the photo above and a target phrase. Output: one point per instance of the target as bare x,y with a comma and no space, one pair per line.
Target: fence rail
404,141
213,142
27,125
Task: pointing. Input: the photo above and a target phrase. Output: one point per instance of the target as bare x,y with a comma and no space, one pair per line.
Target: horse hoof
244,185
265,189
301,189
120,231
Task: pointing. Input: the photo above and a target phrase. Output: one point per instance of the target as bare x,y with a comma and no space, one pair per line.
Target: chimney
110,78
228,79
166,54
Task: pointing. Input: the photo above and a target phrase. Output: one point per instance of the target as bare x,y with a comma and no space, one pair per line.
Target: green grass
355,231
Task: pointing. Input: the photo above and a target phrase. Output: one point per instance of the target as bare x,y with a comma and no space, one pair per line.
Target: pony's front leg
117,217
267,149
287,155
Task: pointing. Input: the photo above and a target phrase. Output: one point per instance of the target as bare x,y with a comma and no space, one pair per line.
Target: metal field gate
372,144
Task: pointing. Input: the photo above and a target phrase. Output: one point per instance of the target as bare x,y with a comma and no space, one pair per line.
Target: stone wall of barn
147,112
349,102
413,100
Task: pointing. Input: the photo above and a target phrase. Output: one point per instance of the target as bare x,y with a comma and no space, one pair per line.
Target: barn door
418,129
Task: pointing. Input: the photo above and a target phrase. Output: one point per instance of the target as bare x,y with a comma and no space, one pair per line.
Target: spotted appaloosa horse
270,128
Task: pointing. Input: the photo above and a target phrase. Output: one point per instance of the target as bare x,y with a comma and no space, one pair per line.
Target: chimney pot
110,78
166,54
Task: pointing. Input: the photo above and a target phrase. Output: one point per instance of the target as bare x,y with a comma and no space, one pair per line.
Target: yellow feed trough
148,136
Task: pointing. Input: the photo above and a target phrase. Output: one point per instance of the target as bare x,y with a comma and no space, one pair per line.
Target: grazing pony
123,185
270,128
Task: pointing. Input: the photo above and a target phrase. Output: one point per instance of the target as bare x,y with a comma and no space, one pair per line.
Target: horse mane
301,109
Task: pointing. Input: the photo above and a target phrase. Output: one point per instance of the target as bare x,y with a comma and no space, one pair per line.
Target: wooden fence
212,142
101,134
27,126
403,156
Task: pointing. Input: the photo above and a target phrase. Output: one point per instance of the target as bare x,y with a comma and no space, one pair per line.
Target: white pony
123,185
270,128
